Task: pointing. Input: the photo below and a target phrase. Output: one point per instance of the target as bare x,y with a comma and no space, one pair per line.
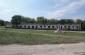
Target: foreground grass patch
23,36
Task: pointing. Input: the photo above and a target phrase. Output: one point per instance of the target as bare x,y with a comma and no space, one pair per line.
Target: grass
33,37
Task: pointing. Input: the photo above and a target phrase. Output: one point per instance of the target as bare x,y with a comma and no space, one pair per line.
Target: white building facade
46,26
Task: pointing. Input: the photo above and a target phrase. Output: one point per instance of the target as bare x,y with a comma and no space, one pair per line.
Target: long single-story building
45,26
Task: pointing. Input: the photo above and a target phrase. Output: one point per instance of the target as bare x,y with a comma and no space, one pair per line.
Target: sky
58,9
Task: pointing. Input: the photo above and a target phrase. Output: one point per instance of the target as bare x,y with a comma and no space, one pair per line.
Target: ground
56,49
41,42
33,37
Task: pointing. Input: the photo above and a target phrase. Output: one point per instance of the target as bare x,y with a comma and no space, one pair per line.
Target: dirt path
58,49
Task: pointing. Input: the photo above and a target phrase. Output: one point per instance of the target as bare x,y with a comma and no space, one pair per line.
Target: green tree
32,20
54,21
16,20
67,21
78,21
63,21
2,23
70,21
40,19
28,20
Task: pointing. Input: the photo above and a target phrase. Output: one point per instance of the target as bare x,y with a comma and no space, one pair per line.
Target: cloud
72,7
34,8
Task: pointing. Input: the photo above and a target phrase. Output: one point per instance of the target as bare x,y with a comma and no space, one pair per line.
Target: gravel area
47,49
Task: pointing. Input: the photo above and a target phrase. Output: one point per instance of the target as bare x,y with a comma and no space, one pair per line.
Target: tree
16,20
53,21
63,21
2,23
40,19
32,20
70,21
45,20
67,21
78,21
28,20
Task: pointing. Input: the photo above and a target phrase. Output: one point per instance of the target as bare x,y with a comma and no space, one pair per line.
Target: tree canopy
16,19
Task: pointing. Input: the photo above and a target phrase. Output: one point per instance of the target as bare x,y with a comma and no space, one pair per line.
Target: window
28,27
48,26
77,27
40,26
17,26
24,26
68,26
52,26
32,27
36,27
72,26
64,26
61,27
20,26
13,26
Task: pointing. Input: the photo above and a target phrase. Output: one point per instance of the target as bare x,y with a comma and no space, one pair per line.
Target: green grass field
33,37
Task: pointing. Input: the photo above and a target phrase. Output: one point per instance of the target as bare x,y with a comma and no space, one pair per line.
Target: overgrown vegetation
23,36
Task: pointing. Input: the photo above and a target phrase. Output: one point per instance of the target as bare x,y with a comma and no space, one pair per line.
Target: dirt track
58,49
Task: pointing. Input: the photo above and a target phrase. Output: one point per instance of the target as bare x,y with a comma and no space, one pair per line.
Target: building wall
48,26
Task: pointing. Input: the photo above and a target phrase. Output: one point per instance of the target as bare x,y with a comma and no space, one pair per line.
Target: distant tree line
17,19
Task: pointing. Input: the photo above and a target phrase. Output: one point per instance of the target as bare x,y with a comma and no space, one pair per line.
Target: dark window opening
61,27
24,26
13,26
40,26
48,26
65,26
72,26
20,26
77,27
28,27
36,27
32,27
17,26
68,26
52,26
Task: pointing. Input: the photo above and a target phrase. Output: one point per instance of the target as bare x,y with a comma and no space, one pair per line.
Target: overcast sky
48,8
